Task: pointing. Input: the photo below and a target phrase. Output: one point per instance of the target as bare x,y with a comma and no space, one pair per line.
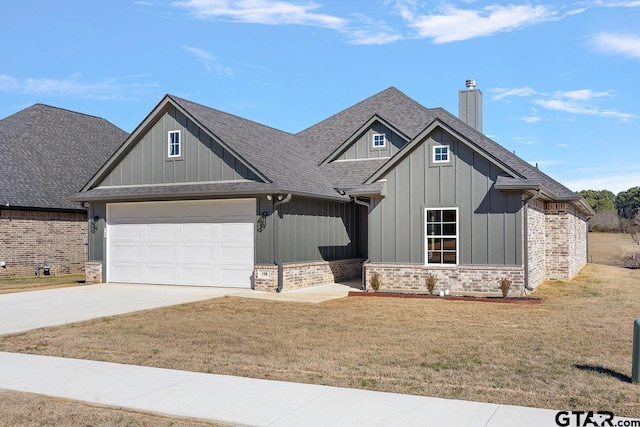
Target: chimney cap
470,83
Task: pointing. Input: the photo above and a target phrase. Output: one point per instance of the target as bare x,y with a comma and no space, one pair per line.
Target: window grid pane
442,242
174,144
379,140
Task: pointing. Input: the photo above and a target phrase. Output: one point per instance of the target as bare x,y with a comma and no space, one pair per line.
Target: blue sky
561,79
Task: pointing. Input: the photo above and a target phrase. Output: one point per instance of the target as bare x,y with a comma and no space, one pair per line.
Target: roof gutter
363,285
276,261
526,238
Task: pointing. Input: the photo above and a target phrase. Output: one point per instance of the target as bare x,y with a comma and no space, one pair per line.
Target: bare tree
607,221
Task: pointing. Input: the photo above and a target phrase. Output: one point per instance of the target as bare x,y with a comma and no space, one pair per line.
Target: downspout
363,286
526,239
276,209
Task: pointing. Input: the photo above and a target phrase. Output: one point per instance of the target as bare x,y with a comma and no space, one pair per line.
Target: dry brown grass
25,410
571,352
23,284
611,248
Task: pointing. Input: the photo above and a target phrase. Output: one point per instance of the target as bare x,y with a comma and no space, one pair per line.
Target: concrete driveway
24,311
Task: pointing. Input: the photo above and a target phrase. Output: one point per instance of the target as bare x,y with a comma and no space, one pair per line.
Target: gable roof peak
253,122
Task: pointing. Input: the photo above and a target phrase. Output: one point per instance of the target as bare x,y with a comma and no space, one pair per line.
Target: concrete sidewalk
245,401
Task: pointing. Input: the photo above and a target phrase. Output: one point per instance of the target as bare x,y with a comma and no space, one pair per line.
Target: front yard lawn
32,283
572,352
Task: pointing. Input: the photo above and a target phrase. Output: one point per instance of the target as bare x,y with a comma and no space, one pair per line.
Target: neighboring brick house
48,153
201,197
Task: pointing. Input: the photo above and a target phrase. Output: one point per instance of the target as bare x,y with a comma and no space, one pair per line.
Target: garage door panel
126,252
162,253
197,231
127,232
236,255
234,277
209,243
128,273
199,254
197,275
160,274
161,231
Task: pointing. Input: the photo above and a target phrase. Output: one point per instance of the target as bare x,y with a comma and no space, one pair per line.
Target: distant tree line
615,213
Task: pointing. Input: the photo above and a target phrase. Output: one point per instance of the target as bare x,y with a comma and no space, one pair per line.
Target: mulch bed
500,300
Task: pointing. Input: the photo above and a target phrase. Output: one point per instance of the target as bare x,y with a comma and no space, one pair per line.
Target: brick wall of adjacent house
536,236
566,241
304,274
30,237
457,279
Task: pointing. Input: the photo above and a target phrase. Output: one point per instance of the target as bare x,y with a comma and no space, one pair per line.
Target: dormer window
379,140
174,144
441,154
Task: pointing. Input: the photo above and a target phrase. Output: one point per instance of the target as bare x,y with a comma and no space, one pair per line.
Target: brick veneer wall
566,241
536,236
30,237
93,271
303,274
457,279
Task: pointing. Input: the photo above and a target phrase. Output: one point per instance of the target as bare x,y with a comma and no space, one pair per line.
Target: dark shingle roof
276,154
350,174
398,109
49,153
530,173
411,118
176,191
293,163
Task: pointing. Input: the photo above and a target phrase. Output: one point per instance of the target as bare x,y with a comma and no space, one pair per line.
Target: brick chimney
470,107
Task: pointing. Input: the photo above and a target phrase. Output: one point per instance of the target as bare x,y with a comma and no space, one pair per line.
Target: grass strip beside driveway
33,283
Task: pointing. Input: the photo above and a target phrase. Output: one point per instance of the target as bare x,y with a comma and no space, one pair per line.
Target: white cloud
531,119
8,83
365,30
106,89
628,45
208,60
526,141
453,24
610,3
581,102
270,12
505,93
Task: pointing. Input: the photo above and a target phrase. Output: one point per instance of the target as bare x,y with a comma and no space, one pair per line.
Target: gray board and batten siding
311,230
202,158
316,230
362,148
489,221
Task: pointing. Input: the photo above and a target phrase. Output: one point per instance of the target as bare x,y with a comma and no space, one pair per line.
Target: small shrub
431,283
505,284
376,281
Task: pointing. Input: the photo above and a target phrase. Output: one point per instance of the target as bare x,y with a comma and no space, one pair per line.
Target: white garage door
205,243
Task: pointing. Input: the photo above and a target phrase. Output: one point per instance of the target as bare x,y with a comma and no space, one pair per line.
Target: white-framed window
379,140
441,235
441,154
174,147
